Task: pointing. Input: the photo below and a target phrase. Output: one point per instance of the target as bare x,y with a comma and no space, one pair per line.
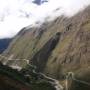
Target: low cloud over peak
16,14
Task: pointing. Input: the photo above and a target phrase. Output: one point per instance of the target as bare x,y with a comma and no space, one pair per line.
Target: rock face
56,47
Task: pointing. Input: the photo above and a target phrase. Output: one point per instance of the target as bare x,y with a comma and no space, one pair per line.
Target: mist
16,14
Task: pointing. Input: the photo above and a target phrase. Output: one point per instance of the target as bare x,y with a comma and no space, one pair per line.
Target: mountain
4,43
39,2
56,48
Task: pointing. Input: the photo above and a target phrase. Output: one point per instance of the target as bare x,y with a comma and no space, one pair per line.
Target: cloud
16,14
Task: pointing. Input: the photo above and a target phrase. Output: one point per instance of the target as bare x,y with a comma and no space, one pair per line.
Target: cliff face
56,47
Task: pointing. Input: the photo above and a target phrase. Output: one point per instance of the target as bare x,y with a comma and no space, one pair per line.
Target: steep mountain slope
56,47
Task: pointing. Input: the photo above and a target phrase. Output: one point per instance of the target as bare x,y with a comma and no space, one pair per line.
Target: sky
16,14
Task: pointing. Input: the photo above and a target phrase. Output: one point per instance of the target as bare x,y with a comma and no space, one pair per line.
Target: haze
16,14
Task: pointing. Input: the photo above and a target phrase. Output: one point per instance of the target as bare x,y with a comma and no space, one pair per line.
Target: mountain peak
39,2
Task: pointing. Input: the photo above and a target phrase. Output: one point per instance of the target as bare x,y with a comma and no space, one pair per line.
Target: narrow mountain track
13,77
52,81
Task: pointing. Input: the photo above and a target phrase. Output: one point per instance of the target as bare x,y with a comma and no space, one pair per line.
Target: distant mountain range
39,2
4,43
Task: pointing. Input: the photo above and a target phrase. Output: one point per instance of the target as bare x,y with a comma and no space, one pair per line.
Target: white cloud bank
16,14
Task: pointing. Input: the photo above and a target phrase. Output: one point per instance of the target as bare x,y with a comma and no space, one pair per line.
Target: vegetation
27,78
